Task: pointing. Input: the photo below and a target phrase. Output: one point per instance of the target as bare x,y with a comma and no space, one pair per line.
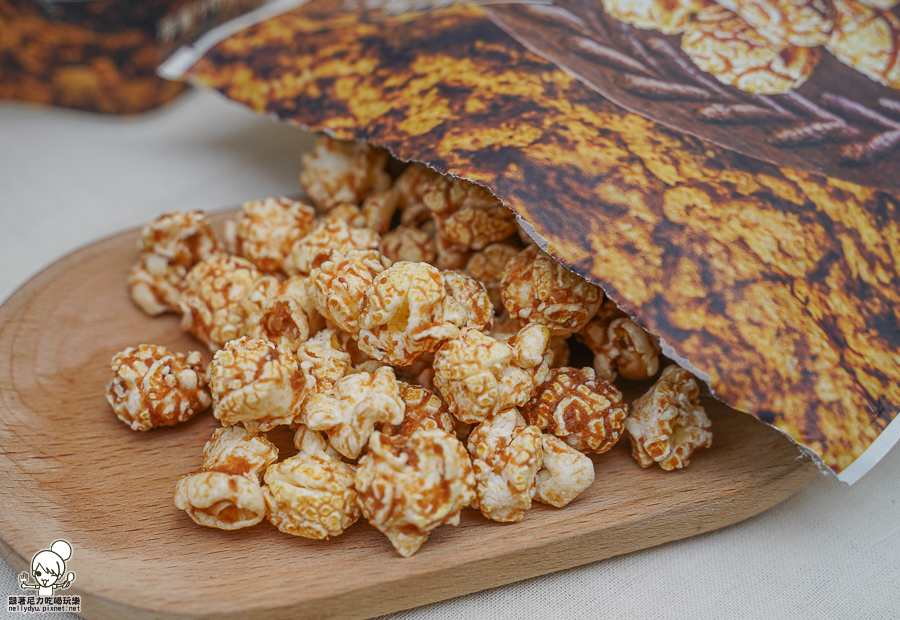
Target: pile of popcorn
412,338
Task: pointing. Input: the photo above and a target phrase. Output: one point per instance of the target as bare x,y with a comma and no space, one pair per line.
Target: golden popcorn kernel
667,423
153,387
410,485
587,412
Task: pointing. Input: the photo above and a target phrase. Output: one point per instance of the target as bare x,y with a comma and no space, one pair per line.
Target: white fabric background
68,179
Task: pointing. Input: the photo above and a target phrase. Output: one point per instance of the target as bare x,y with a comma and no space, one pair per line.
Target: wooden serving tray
72,470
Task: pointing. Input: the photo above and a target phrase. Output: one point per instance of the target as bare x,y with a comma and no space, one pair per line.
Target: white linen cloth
68,179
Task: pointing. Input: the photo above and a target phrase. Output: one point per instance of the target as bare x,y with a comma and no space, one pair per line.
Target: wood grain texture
73,471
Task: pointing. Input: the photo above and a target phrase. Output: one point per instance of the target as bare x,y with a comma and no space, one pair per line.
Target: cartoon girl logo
48,568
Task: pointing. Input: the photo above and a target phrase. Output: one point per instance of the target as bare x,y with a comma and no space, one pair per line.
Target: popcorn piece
805,23
313,443
868,40
338,171
466,213
211,301
183,239
225,492
172,245
530,345
565,472
349,412
667,423
311,494
407,312
253,383
620,345
588,413
506,457
378,210
155,284
154,387
339,284
265,231
407,243
331,234
323,362
557,354
487,266
285,315
423,411
472,297
727,47
479,376
408,486
450,255
537,289
411,186
666,16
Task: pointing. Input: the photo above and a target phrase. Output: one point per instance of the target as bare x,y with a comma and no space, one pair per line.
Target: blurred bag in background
100,56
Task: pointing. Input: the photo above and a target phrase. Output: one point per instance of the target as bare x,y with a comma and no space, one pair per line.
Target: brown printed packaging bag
728,172
99,56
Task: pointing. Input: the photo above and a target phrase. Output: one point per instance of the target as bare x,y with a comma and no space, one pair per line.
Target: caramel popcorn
666,16
407,243
557,353
478,376
330,234
406,312
172,245
154,387
884,5
423,410
867,39
805,23
667,423
487,266
225,492
530,345
339,284
587,412
349,412
727,47
155,284
506,456
564,474
311,494
183,239
409,485
338,171
472,297
537,289
378,210
411,186
322,362
265,231
620,346
284,313
211,301
450,255
253,383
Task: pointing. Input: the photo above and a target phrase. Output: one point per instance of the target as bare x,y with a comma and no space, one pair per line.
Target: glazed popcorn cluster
772,46
412,339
